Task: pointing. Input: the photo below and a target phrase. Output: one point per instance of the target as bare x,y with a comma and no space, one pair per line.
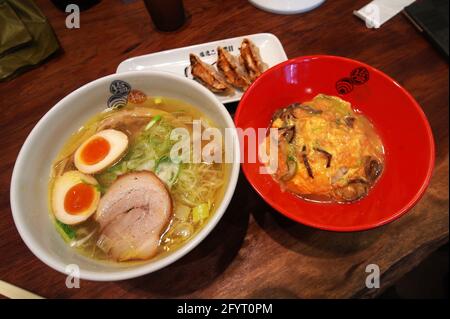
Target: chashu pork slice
132,216
208,76
232,69
251,59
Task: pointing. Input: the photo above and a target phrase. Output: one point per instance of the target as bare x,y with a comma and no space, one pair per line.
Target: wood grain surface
254,251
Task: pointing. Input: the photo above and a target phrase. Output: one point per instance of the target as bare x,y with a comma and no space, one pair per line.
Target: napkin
378,12
27,38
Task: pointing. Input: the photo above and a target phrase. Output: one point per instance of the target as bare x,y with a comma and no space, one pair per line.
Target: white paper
378,12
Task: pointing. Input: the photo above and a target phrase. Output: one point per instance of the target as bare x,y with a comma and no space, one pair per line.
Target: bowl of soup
342,146
125,175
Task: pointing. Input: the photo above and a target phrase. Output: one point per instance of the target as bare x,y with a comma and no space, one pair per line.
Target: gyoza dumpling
208,76
251,59
233,71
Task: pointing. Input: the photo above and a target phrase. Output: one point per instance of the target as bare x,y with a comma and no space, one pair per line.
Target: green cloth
26,38
13,33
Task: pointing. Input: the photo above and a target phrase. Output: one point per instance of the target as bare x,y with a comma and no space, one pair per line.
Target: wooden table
254,251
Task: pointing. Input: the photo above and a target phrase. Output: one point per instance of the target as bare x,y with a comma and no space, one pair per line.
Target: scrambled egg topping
326,151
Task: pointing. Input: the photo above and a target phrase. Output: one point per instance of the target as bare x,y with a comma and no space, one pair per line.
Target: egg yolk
95,150
79,198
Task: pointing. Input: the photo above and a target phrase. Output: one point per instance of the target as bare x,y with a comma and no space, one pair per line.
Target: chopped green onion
154,120
182,212
167,170
200,212
98,187
66,231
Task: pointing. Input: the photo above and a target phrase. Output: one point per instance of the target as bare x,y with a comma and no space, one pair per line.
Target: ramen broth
195,191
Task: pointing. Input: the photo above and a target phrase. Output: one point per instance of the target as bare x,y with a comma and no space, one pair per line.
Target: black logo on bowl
117,101
358,76
344,86
119,87
120,90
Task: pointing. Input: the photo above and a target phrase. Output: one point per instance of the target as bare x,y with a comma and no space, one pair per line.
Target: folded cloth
41,46
13,33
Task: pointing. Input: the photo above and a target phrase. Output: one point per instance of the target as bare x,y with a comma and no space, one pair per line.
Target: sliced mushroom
306,162
355,189
373,168
291,169
349,121
357,180
286,115
308,109
327,155
288,133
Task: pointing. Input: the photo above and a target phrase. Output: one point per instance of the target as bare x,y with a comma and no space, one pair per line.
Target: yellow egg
75,197
101,150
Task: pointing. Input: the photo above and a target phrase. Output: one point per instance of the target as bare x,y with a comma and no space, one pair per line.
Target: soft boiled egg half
75,197
100,151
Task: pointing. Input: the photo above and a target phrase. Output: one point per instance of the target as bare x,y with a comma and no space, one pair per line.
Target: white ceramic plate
177,60
287,6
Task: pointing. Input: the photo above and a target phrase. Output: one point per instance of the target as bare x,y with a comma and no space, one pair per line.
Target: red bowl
398,118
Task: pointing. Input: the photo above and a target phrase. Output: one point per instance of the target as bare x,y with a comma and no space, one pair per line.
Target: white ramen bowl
29,185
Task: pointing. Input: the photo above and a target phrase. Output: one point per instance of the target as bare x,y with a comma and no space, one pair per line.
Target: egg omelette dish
326,150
